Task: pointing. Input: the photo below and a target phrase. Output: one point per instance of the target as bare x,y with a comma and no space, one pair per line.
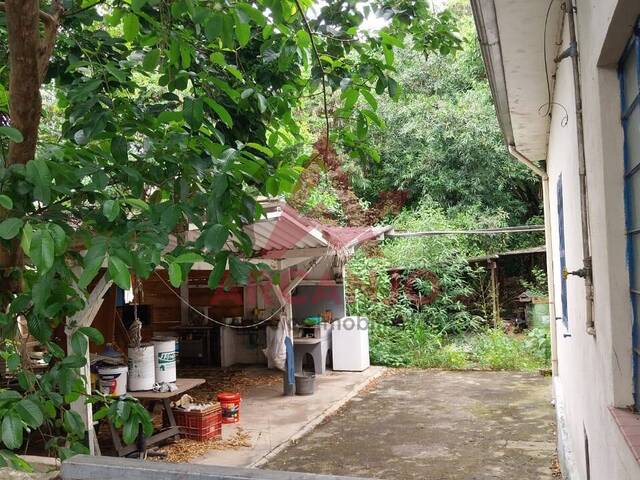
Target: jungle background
438,163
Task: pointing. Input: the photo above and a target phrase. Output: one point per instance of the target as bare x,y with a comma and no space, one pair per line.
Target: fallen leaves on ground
184,450
237,380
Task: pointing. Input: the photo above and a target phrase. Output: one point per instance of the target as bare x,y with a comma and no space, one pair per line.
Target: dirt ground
430,424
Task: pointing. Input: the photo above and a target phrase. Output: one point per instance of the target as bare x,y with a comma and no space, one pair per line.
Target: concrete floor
429,424
273,420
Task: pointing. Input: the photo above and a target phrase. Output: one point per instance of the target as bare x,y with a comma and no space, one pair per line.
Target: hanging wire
213,320
550,103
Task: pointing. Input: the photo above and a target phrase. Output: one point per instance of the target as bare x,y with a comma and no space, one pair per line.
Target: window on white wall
629,72
563,258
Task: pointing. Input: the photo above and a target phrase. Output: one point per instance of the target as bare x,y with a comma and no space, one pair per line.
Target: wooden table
151,398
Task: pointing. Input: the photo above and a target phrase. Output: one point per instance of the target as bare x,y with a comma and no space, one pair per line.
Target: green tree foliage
442,138
157,115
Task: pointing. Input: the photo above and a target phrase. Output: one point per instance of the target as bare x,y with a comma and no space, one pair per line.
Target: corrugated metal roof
284,232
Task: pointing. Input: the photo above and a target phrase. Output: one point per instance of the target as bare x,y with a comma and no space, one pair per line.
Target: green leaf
73,361
120,149
175,274
303,39
218,271
12,430
227,31
373,117
220,111
6,202
12,134
388,55
13,362
25,240
391,40
272,186
261,148
215,238
93,260
9,396
130,27
262,103
15,461
193,111
79,343
253,13
93,334
213,27
119,272
151,60
136,5
37,172
130,430
220,185
42,251
167,116
239,270
59,238
111,209
394,88
72,423
188,257
137,203
29,412
10,228
369,98
243,33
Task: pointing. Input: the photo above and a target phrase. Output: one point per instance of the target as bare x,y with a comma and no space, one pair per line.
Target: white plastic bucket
165,359
141,368
113,380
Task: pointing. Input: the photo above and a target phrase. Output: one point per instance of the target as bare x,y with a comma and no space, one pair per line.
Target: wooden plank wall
165,308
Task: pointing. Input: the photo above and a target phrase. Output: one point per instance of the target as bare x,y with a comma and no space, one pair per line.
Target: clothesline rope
213,320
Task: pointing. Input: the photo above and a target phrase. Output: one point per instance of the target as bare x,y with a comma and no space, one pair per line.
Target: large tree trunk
28,61
25,104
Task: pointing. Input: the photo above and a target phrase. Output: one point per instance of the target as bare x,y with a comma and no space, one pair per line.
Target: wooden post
494,293
84,318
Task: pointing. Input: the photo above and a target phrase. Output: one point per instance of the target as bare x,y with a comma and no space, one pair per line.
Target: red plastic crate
200,424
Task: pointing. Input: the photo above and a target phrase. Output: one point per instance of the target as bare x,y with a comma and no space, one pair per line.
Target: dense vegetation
441,144
124,121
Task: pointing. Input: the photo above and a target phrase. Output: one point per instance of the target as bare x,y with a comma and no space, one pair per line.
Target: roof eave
486,20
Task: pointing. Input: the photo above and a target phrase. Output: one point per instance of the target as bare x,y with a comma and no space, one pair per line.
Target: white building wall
594,372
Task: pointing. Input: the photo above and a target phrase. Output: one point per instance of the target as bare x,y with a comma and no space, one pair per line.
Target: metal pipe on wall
586,271
544,178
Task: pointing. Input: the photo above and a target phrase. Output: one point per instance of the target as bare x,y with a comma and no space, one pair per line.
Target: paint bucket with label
141,368
230,405
113,380
165,359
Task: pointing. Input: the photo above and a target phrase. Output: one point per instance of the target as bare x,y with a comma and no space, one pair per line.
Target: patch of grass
413,344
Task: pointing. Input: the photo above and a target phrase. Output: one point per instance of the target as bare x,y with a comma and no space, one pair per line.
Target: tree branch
324,81
49,40
44,16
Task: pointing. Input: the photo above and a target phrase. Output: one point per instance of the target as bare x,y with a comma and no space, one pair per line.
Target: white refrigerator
350,344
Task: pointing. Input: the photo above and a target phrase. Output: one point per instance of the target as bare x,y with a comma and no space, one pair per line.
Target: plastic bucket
305,384
141,368
230,405
113,380
165,359
539,315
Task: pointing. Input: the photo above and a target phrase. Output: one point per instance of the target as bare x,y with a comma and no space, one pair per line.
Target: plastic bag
276,351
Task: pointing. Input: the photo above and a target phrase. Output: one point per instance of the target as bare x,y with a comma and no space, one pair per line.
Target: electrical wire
213,320
550,103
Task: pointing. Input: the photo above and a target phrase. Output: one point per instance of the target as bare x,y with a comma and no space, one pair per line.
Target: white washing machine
350,344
